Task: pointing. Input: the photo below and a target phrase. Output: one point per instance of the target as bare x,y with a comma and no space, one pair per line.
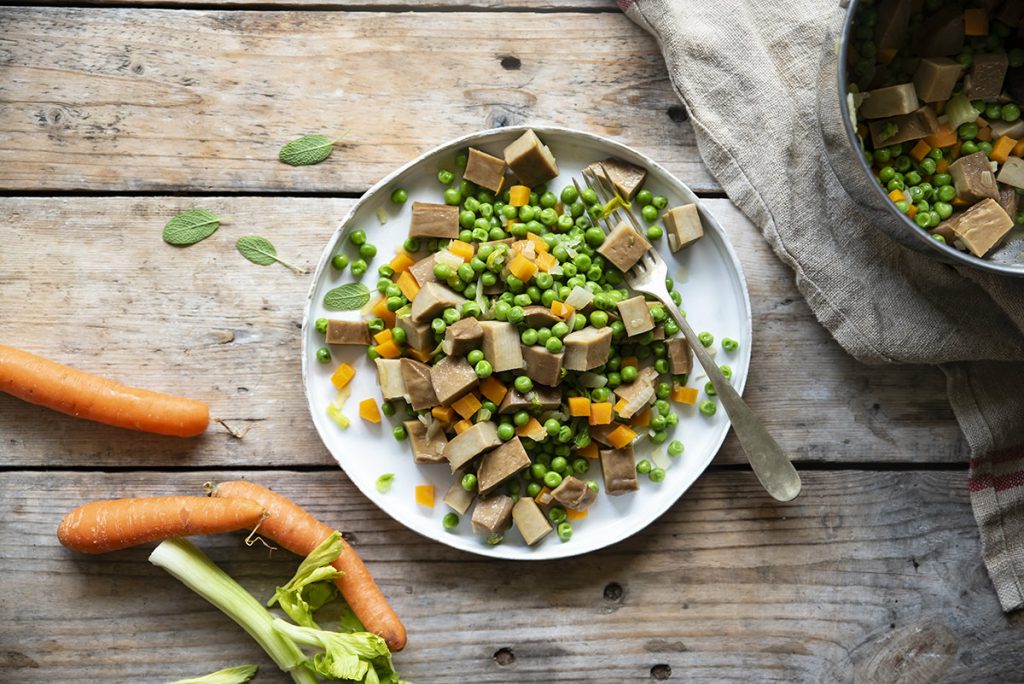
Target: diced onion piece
579,298
445,257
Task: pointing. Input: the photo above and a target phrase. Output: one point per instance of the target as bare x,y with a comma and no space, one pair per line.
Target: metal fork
770,464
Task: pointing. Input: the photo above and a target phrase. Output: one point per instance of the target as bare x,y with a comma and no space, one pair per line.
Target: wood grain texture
868,577
135,99
88,282
494,6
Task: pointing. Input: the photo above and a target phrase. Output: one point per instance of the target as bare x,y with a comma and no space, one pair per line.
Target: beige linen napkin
746,70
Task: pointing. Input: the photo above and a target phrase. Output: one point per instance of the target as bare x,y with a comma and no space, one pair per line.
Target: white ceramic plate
708,274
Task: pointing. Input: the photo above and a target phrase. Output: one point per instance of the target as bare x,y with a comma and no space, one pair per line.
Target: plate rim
594,138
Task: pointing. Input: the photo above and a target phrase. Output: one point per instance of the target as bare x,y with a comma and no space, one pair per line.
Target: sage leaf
347,297
307,150
259,250
190,227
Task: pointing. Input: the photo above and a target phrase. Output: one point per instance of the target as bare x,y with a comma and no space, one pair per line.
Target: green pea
452,196
399,335
659,437
947,193
471,310
729,344
594,236
450,521
564,531
629,373
506,432
569,194
726,372
708,407
538,471
993,111
323,355
533,489
528,337
552,426
495,538
372,353
339,262
644,467
321,326
469,482
387,408
357,237
523,384
644,197
659,202
399,433
399,196
445,177
395,303
552,479
657,475
549,199
483,369
556,514
706,339
376,325
521,418
438,326
553,345
655,233
618,329
650,213
968,147
675,447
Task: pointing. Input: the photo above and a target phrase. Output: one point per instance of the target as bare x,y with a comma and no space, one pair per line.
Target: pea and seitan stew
936,90
506,336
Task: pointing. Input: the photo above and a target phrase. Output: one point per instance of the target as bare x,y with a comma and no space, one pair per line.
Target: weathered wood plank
382,5
867,577
117,99
88,282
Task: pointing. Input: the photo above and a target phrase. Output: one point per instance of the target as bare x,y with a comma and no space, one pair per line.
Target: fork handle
769,462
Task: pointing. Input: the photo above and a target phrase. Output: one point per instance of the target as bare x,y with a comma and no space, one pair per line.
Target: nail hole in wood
504,656
678,113
661,672
613,592
510,63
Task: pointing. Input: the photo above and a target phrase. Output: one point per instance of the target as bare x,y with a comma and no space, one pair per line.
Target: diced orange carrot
380,310
621,405
421,355
383,336
976,21
960,202
641,418
425,495
368,410
462,426
912,210
589,451
493,389
1002,149
443,413
600,413
461,249
522,268
1018,149
541,494
561,309
539,244
630,361
532,427
467,405
896,195
570,514
518,195
940,107
685,395
545,261
886,55
401,262
621,436
954,151
519,245
942,165
984,134
408,285
389,350
342,376
579,407
920,150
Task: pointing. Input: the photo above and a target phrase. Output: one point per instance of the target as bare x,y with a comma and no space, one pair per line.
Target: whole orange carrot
114,524
83,395
299,532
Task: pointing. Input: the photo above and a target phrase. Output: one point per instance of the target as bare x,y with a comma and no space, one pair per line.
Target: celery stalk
231,675
196,571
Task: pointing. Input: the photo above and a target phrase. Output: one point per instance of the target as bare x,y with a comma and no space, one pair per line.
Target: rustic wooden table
114,118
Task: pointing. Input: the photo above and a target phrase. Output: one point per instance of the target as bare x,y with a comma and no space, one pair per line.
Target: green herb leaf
314,569
259,250
384,482
190,227
347,297
307,150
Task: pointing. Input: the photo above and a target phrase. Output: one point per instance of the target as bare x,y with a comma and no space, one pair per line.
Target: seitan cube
348,332
1009,200
1011,129
390,380
985,80
485,170
637,395
618,466
574,493
423,270
623,247
530,520
465,447
492,515
941,34
431,300
680,356
892,24
936,77
462,337
531,160
537,316
973,177
425,449
540,398
1012,172
419,387
918,124
500,464
417,335
587,348
434,221
683,226
890,101
542,366
625,177
636,315
457,498
501,346
452,378
982,226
